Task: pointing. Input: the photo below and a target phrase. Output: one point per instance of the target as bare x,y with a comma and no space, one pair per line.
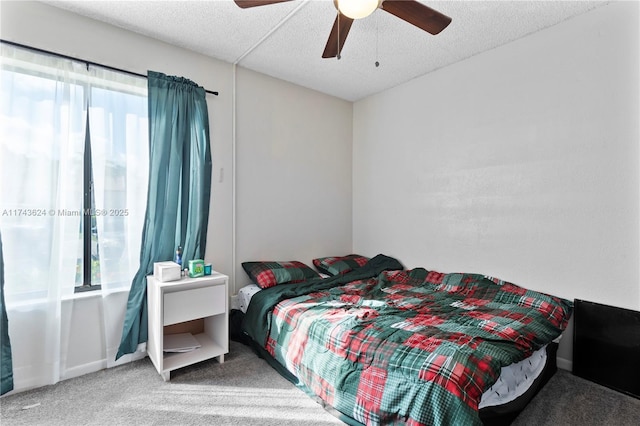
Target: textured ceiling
286,40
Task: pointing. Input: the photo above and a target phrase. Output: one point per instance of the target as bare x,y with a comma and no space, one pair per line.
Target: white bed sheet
514,379
245,294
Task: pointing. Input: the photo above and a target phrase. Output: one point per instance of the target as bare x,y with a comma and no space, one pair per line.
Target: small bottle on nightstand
178,258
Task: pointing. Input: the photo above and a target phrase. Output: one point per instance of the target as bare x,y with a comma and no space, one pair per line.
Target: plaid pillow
339,264
268,274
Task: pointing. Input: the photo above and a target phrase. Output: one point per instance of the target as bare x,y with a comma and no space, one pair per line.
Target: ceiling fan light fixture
357,9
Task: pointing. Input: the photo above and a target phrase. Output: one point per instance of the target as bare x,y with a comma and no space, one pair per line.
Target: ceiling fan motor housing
356,9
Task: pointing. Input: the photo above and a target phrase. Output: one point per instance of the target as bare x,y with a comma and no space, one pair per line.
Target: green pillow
268,273
336,265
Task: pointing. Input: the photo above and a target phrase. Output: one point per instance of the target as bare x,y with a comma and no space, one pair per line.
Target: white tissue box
166,271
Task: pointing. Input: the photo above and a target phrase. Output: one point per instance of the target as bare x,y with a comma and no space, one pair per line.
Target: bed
384,345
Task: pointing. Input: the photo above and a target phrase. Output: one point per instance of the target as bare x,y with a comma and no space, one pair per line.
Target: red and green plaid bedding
408,347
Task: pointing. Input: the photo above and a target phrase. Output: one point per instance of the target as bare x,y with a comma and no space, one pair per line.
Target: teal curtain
6,362
179,189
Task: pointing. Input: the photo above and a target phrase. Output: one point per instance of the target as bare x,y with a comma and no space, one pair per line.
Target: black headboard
606,346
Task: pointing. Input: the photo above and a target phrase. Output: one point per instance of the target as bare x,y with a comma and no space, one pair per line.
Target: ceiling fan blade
253,3
341,27
417,14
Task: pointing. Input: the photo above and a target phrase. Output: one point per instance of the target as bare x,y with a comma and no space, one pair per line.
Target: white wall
521,163
294,179
274,154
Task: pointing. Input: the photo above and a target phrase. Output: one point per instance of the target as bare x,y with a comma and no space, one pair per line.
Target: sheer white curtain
55,332
119,122
41,134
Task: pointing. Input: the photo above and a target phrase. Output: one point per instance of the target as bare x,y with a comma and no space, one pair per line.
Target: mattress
514,380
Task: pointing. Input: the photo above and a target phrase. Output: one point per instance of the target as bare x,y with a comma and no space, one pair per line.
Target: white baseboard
83,369
564,364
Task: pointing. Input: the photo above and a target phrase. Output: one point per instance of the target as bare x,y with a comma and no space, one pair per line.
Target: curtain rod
48,52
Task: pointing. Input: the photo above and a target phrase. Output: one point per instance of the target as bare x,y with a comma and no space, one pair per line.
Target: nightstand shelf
191,305
175,360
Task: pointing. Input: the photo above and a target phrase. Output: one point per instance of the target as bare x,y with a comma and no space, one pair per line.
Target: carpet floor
245,390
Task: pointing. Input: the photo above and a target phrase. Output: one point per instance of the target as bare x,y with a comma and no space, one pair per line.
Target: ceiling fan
411,11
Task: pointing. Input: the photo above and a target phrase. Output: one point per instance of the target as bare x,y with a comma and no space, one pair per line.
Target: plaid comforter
411,347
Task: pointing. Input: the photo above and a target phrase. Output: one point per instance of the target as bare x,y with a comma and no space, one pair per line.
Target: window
73,174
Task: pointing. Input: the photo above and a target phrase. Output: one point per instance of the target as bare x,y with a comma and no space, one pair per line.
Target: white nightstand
191,305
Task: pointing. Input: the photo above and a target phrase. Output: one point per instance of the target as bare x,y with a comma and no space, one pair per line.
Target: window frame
88,217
